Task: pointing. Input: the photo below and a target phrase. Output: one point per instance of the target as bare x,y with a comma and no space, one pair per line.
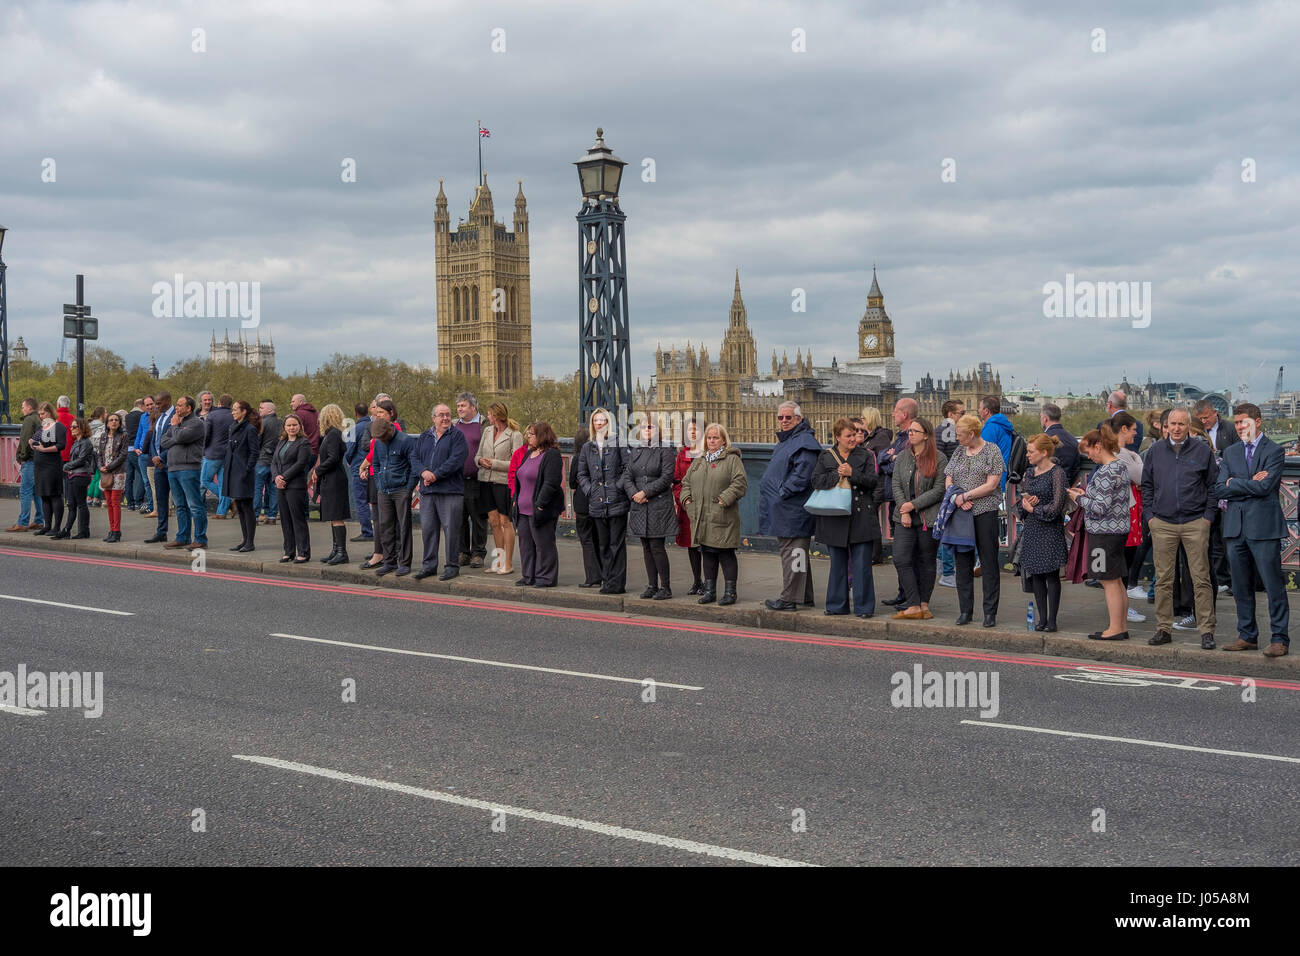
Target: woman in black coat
652,514
581,519
47,446
239,477
536,506
600,475
332,482
849,537
289,464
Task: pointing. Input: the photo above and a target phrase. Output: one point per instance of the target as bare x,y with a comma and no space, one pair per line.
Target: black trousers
52,505
986,545
1047,594
591,565
293,521
1139,557
78,509
247,520
473,522
657,568
539,558
611,542
914,553
1219,568
711,558
393,527
162,499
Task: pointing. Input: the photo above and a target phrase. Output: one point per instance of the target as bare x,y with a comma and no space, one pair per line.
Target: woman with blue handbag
848,472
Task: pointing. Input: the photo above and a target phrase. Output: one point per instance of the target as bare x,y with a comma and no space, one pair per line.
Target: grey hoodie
184,444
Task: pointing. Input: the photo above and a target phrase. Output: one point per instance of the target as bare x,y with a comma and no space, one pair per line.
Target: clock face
594,370
591,247
872,341
593,304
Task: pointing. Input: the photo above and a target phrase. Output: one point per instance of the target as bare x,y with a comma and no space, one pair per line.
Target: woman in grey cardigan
1105,505
652,516
918,491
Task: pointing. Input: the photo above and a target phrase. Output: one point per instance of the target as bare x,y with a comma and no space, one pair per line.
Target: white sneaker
948,580
1186,624
1222,588
1137,593
1134,617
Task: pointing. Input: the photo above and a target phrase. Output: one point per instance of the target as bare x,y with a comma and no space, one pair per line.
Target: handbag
834,502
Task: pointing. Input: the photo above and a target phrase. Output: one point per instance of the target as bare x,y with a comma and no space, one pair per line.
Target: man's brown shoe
177,544
1240,645
17,527
1276,649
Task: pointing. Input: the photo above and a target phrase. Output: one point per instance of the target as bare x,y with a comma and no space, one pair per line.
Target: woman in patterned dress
1042,537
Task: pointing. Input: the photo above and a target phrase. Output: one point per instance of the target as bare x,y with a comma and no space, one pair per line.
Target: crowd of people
1197,494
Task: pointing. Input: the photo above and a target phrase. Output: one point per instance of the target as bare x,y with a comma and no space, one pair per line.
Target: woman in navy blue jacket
289,465
239,476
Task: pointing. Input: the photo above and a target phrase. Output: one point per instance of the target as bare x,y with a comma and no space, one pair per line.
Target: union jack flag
484,133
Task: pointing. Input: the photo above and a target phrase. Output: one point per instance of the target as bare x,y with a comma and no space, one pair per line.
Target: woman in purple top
537,504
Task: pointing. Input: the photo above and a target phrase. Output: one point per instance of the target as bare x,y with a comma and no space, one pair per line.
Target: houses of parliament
732,390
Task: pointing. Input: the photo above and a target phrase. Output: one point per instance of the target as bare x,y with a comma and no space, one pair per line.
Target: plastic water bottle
1029,617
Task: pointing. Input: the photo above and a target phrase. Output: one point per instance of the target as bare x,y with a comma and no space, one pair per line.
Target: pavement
1082,608
249,718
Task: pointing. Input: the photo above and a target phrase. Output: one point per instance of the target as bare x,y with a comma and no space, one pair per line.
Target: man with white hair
1117,402
784,490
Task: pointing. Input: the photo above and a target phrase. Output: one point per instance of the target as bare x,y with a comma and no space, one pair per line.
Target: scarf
712,456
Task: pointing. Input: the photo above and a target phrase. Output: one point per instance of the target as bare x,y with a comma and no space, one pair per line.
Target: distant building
1170,395
242,352
18,353
966,388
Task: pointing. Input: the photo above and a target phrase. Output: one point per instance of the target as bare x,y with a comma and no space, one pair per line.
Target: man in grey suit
1253,529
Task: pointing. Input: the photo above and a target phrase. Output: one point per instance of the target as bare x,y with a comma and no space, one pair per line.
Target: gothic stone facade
243,352
484,321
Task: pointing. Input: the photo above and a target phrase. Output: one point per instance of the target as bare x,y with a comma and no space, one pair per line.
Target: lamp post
605,359
4,334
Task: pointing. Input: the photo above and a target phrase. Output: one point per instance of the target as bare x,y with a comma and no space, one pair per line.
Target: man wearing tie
1253,527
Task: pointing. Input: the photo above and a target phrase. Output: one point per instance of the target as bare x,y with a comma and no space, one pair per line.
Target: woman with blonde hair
711,491
332,482
975,470
600,475
1043,550
501,439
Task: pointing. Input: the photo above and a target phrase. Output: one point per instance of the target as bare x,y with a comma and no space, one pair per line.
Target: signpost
78,324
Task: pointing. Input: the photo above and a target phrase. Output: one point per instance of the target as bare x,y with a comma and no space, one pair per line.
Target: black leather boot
340,555
728,593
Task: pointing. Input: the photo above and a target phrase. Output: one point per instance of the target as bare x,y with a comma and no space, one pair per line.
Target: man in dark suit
1253,529
1067,456
1221,435
1117,402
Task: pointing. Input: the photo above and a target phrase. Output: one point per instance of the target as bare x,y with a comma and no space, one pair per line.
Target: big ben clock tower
875,330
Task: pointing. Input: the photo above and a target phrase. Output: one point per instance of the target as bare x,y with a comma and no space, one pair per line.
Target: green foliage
344,380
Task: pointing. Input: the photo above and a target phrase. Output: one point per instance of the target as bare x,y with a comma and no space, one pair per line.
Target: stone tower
739,353
875,329
484,318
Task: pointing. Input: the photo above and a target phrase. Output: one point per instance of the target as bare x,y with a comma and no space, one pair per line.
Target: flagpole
478,134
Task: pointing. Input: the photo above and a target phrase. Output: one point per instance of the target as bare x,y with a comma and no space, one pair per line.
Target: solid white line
21,711
75,607
605,829
475,660
1135,740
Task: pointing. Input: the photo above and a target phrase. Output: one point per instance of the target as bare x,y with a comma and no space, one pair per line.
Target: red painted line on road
601,617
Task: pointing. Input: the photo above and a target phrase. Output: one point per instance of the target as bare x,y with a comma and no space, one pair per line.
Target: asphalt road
767,731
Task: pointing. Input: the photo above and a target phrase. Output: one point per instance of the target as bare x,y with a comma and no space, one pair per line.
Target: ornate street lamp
4,335
605,360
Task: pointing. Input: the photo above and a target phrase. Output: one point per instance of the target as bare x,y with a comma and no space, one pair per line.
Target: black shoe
523,583
302,559
663,594
990,620
1207,642
1097,636
696,588
238,547
340,558
1040,627
286,559
421,575
1162,637
649,592
363,537
708,596
114,537
384,569
246,548
864,614
60,535
776,604
963,618
79,535
728,594
835,613
329,557
895,602
369,565
448,574
156,539
1050,629
403,572
590,584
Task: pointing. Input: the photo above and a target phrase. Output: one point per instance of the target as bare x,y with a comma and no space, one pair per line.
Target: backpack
1018,461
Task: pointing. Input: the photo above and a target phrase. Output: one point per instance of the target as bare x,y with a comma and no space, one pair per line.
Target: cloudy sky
800,168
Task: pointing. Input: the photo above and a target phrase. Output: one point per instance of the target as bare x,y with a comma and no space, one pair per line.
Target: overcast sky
798,168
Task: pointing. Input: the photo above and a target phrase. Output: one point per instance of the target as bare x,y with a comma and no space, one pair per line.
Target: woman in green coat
711,491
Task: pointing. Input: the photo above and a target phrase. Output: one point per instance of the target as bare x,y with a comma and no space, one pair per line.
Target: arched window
514,375
458,357
475,312
514,305
455,305
477,369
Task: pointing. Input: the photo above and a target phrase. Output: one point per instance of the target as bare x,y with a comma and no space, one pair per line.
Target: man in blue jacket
784,490
439,457
356,451
391,471
997,429
216,440
1253,529
137,459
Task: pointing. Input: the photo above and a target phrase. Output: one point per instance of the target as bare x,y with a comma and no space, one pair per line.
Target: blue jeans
946,560
27,496
142,468
210,479
188,493
266,497
362,501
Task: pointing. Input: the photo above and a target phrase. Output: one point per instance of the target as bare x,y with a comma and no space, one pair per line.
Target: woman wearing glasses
918,492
